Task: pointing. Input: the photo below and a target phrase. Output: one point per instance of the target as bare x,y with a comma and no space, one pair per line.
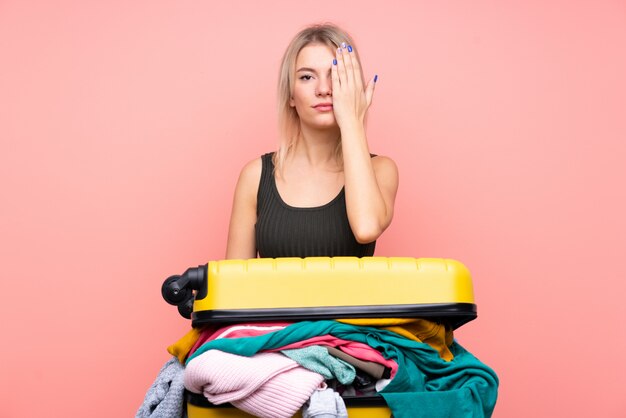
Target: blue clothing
165,397
425,386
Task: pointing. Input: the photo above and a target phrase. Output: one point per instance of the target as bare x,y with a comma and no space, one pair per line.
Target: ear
292,103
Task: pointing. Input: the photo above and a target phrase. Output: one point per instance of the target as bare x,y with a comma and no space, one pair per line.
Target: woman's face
312,91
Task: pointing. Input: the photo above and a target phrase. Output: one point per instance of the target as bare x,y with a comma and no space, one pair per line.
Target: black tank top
286,231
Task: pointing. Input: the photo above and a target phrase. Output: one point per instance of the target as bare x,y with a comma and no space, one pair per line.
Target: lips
324,107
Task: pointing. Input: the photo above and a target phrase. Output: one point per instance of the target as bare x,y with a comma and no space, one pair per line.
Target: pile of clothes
273,370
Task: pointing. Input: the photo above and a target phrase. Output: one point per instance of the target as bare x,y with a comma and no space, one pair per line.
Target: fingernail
349,48
339,50
334,61
376,78
343,45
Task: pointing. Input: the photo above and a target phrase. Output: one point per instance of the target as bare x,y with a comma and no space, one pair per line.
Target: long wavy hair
288,120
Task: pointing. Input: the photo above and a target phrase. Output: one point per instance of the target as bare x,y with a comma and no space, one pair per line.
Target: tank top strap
265,184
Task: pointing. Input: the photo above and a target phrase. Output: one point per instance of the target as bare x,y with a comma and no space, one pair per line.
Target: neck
317,146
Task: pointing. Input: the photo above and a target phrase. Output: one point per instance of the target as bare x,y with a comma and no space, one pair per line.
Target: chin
322,122
326,122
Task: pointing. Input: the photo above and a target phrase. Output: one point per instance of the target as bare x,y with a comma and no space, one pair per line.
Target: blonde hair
288,120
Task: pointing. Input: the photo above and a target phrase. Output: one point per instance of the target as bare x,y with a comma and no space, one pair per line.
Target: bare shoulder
250,175
385,166
252,168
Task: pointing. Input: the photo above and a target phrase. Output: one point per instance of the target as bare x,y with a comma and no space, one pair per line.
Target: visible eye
306,77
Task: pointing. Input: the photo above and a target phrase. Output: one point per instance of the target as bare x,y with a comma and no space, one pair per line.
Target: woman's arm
370,183
241,242
370,187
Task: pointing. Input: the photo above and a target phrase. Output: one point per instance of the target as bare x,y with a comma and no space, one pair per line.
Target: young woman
322,193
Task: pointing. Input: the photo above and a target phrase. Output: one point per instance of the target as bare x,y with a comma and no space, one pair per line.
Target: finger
347,60
334,75
341,68
357,76
369,90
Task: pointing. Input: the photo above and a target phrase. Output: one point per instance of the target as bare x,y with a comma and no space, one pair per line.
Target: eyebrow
306,69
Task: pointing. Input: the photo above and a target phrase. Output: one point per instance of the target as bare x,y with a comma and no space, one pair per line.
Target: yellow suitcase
314,288
199,407
293,289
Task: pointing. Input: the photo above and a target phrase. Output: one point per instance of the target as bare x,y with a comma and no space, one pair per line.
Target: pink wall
123,126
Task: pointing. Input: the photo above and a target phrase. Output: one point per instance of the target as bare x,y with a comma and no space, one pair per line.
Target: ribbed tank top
286,231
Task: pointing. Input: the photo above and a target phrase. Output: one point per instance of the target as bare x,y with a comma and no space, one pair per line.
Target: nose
324,87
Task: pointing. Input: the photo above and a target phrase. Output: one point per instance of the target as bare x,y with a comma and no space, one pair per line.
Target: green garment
317,359
425,386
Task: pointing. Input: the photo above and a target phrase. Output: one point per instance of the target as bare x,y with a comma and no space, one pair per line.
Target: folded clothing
376,370
325,403
356,349
422,376
266,385
210,333
164,399
436,335
181,348
317,359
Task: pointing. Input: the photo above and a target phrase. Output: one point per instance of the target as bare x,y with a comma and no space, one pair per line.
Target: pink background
123,127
